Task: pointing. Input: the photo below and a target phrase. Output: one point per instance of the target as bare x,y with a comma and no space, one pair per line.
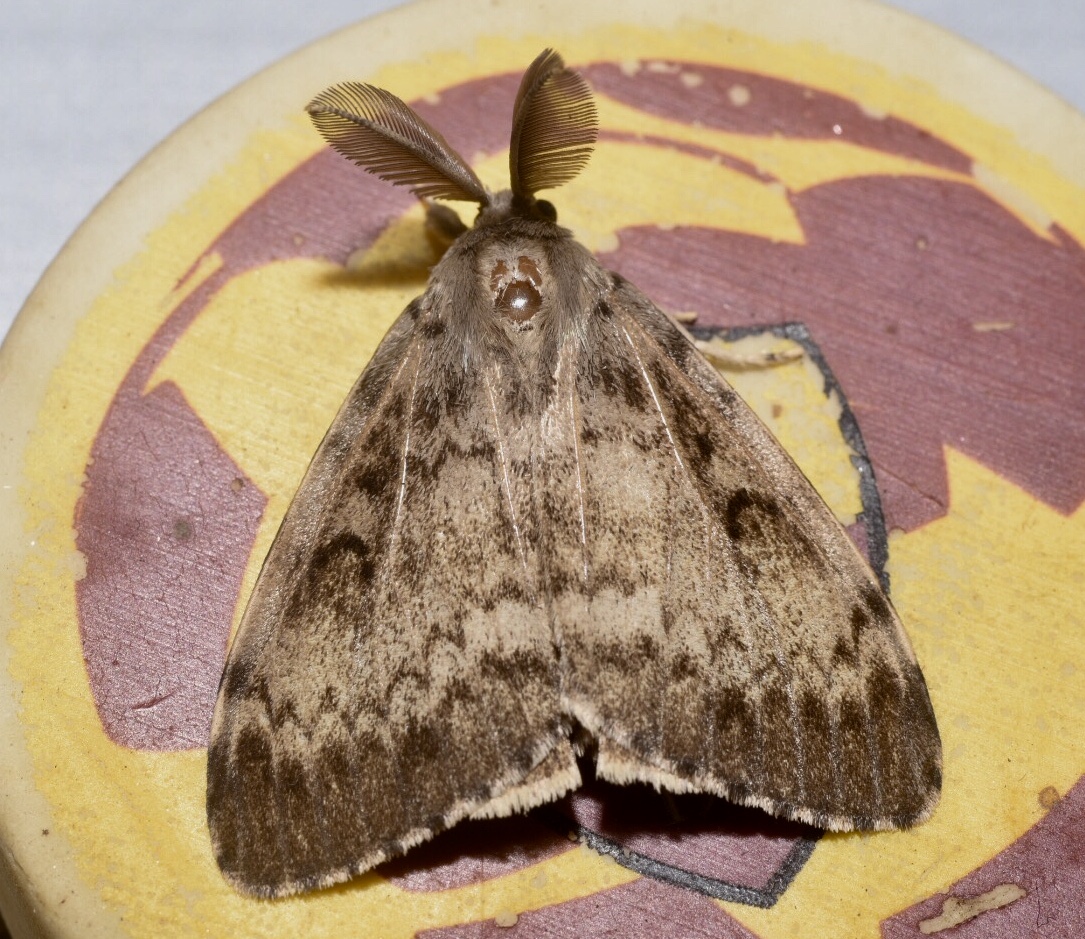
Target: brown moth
542,526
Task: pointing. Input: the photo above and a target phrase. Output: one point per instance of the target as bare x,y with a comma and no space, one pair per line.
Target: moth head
554,125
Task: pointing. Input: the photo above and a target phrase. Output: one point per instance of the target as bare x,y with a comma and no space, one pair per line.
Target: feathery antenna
554,125
380,133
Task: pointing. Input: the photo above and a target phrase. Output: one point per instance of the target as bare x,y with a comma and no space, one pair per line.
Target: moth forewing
541,516
760,622
374,694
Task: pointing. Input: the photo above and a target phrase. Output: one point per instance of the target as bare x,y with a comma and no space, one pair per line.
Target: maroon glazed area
892,276
772,106
643,907
167,520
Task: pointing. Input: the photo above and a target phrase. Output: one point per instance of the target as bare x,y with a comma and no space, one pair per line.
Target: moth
543,528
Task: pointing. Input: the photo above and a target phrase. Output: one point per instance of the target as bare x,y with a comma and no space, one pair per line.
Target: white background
87,87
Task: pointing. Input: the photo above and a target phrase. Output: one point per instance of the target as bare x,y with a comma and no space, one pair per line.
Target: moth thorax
516,286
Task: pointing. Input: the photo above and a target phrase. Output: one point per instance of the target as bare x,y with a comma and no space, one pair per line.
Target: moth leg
443,226
555,776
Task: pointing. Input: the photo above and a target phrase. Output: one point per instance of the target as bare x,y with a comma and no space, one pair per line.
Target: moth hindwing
539,517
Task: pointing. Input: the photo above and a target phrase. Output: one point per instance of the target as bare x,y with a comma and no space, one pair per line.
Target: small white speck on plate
739,95
506,919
